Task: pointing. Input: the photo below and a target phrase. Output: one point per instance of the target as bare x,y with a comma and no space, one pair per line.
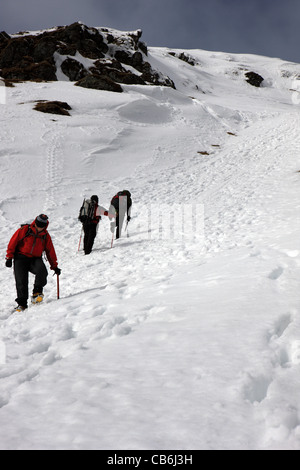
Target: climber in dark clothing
120,207
90,216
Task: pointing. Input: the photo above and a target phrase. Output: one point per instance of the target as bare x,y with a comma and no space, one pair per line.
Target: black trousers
90,232
22,267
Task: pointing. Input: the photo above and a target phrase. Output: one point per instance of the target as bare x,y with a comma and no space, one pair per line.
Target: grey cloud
266,27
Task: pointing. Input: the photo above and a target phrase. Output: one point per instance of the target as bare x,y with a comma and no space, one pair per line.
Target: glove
57,271
82,218
8,263
128,218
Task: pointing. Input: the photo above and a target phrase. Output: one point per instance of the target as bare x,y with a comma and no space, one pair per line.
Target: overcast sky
264,27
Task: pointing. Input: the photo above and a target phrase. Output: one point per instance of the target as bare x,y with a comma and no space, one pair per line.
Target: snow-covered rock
75,51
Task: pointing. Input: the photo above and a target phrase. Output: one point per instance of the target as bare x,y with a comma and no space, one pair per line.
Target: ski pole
112,241
57,286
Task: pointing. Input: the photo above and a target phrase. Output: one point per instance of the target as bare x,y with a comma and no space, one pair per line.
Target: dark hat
95,198
41,221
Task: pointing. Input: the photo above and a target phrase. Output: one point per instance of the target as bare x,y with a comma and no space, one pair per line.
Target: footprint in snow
280,326
256,388
50,358
276,273
39,348
99,311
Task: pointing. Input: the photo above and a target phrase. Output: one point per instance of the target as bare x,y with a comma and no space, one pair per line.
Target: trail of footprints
271,392
54,165
273,382
284,354
284,351
31,346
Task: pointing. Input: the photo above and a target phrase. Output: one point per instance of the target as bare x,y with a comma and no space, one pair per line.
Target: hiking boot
20,308
37,298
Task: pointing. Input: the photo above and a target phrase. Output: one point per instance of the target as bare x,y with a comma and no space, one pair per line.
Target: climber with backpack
90,215
25,248
120,206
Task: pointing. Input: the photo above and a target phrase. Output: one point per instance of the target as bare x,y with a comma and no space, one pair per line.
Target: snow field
182,342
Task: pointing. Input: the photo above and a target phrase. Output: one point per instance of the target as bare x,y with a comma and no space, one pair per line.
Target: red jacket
32,245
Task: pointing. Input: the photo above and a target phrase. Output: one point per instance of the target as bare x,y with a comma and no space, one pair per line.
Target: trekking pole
57,286
80,214
80,238
112,241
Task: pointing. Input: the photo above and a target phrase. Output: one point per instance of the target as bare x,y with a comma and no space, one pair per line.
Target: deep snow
184,339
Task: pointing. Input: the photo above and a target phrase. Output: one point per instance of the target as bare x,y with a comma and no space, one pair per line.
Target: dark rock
136,36
9,83
99,83
109,37
143,47
135,60
152,76
116,72
124,57
42,71
53,107
73,69
44,49
254,79
185,57
4,38
14,51
65,49
88,41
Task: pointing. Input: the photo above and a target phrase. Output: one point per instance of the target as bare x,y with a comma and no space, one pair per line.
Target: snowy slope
183,340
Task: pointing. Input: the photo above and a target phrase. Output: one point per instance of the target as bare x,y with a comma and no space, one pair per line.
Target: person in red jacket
26,248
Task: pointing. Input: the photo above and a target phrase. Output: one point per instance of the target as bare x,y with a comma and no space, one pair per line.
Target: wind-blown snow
186,341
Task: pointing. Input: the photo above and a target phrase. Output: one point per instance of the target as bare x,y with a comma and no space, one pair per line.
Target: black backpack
115,200
87,211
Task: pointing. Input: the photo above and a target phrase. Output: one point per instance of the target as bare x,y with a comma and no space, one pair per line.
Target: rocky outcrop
185,57
95,57
254,79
